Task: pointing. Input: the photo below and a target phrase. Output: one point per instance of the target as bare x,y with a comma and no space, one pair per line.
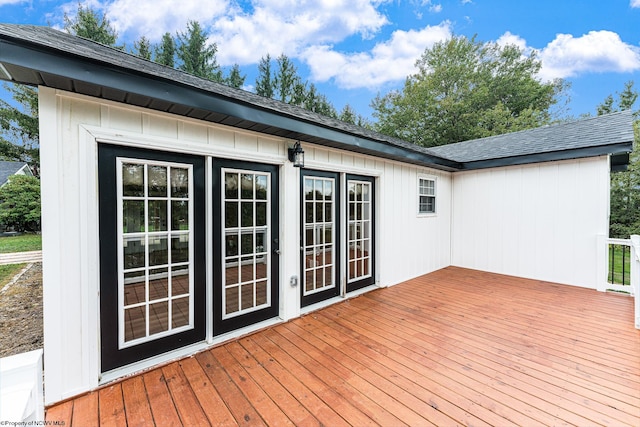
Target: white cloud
436,8
635,3
594,52
569,56
389,61
277,26
245,34
512,39
6,2
153,18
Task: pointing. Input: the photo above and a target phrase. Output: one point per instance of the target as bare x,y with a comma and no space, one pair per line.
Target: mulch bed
21,327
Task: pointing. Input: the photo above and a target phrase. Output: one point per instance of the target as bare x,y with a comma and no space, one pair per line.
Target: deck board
454,347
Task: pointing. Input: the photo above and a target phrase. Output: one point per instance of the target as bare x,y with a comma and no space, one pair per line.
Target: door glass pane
132,180
180,312
261,268
158,283
180,249
156,205
246,279
318,240
261,214
133,216
231,186
261,292
261,187
231,214
157,215
246,214
246,298
359,230
232,300
134,287
179,183
180,280
158,317
134,252
246,189
158,251
179,215
232,271
231,244
135,320
157,181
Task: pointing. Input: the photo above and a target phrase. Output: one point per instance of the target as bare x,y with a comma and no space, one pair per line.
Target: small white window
426,195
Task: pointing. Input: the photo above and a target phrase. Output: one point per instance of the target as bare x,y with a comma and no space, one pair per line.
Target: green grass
616,252
22,243
8,271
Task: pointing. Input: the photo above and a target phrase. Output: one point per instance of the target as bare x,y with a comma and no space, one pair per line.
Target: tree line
463,89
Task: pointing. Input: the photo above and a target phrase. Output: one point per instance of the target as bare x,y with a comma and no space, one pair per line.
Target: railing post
602,263
635,277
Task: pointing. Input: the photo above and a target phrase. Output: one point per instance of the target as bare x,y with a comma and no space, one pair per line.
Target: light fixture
296,155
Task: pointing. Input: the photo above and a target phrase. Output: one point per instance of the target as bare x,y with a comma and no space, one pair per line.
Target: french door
319,236
246,251
152,253
360,232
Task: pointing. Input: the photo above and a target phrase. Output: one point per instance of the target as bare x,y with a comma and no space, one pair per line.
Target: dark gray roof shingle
586,133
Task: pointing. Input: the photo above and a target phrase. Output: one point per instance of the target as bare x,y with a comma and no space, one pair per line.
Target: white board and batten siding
537,221
407,244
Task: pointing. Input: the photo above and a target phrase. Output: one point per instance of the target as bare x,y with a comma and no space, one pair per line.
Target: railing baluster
612,252
624,259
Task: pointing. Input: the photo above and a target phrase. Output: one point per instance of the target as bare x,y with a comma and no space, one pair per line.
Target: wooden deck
455,347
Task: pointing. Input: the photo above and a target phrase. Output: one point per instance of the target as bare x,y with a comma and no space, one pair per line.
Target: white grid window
426,195
319,235
360,230
155,261
246,204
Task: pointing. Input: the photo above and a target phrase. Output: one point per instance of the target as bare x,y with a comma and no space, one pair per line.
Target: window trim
419,195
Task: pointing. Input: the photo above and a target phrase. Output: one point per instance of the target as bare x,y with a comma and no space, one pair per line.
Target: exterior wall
536,221
407,245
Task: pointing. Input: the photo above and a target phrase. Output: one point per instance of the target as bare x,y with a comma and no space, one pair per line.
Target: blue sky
355,49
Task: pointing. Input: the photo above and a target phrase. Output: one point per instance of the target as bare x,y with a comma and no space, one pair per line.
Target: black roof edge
600,150
102,74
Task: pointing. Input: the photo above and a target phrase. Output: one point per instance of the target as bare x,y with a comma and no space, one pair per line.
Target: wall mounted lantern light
296,155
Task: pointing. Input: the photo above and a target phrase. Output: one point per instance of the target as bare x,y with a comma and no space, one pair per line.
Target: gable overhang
619,155
34,64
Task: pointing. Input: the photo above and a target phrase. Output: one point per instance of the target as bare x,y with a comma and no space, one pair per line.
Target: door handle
276,251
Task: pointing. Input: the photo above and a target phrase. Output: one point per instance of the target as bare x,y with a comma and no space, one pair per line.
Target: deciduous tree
19,125
625,185
20,203
465,89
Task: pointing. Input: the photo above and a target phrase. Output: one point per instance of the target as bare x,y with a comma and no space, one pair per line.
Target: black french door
319,236
360,256
246,251
152,253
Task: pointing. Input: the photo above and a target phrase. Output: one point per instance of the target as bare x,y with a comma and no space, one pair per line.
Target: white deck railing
606,277
635,276
21,389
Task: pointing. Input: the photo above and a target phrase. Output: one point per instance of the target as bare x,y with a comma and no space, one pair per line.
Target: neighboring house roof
12,168
44,56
